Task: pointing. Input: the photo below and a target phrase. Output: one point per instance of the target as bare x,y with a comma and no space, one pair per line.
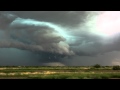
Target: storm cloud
53,38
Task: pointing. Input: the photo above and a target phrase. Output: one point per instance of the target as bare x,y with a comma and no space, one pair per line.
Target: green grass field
57,72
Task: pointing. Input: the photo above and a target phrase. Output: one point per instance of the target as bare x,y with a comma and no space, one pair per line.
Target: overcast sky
67,38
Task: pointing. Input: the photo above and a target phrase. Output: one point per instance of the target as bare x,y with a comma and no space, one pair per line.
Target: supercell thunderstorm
49,41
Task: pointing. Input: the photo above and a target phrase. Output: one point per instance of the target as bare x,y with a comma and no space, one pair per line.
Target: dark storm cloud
66,18
36,34
31,37
6,19
90,45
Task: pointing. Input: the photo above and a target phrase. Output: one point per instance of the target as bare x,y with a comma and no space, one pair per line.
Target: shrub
117,67
96,66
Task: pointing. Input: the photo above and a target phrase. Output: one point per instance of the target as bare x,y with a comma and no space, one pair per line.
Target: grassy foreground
62,72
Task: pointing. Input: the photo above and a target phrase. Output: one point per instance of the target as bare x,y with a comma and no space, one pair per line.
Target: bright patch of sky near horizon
104,23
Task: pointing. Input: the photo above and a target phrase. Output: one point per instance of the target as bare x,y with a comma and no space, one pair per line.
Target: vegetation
96,66
116,67
60,72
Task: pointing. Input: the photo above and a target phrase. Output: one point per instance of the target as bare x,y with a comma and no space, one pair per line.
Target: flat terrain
57,72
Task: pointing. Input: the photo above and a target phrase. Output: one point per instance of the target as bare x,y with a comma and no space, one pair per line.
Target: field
58,72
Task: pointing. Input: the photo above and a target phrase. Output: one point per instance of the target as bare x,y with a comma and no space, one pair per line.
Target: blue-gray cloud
52,36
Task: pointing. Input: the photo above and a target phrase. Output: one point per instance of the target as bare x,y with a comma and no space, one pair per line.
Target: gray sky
58,38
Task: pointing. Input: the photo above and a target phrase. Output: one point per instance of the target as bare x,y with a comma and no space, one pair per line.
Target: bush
97,66
117,67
